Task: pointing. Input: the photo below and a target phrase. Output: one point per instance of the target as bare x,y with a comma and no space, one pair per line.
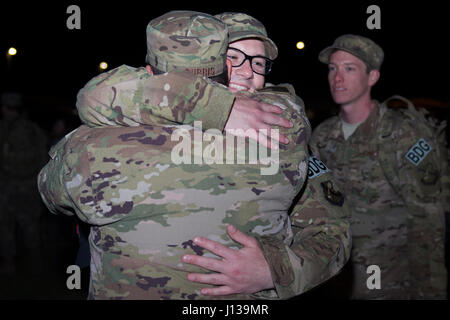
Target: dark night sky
53,62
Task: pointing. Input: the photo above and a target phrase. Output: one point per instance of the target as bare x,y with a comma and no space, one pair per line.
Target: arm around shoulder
127,96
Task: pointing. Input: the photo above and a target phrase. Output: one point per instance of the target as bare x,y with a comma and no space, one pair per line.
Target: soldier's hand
247,114
240,271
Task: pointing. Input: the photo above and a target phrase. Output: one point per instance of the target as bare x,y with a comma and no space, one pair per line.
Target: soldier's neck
357,112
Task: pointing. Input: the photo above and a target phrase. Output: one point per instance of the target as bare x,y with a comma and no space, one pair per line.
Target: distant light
300,45
12,51
103,65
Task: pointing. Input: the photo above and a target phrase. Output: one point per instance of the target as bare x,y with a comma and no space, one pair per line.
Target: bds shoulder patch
418,152
316,167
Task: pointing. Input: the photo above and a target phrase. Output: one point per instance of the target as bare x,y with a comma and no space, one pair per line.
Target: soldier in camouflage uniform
23,148
139,200
321,197
388,163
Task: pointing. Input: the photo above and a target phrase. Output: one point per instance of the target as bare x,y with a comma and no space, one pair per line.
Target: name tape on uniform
418,152
316,167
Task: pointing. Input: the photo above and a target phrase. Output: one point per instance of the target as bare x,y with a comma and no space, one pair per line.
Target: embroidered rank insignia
418,152
316,167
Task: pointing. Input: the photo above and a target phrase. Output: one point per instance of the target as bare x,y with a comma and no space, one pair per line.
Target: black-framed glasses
259,64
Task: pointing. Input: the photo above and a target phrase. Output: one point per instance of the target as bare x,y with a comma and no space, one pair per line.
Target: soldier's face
348,78
243,77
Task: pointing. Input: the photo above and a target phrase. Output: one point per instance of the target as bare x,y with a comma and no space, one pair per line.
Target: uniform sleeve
419,163
127,96
321,243
284,97
50,182
419,176
69,185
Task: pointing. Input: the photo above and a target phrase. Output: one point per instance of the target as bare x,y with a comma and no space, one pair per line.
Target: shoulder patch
316,167
418,152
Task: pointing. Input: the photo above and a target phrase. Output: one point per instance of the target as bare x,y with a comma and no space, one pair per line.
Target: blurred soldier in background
392,166
23,151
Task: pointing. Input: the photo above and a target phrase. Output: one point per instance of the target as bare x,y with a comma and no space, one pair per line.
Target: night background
52,63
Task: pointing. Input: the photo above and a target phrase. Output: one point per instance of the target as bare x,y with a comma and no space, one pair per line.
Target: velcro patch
418,152
316,167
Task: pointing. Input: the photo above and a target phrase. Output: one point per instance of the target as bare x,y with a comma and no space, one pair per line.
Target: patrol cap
187,40
242,26
363,48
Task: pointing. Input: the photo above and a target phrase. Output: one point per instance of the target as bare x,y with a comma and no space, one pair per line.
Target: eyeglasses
259,64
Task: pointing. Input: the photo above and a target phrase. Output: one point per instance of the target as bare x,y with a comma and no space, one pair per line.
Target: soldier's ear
374,75
149,69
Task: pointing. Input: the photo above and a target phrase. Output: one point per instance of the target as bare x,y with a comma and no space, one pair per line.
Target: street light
300,45
103,65
12,51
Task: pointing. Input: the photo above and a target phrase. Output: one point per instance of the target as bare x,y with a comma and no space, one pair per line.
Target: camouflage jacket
397,220
314,249
127,96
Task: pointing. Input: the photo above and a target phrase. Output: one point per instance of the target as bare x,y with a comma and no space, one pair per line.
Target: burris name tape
418,152
316,167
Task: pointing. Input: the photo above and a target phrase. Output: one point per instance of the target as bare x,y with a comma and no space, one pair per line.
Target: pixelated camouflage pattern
187,40
242,26
95,97
401,232
363,48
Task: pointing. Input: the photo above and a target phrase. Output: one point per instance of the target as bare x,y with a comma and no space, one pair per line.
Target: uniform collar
367,128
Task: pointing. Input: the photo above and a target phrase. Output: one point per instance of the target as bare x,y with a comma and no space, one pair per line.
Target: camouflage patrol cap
242,26
363,48
187,40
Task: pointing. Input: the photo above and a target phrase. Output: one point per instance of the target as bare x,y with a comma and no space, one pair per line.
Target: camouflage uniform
397,217
103,171
22,153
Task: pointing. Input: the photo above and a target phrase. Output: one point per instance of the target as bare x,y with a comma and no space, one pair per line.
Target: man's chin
339,100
